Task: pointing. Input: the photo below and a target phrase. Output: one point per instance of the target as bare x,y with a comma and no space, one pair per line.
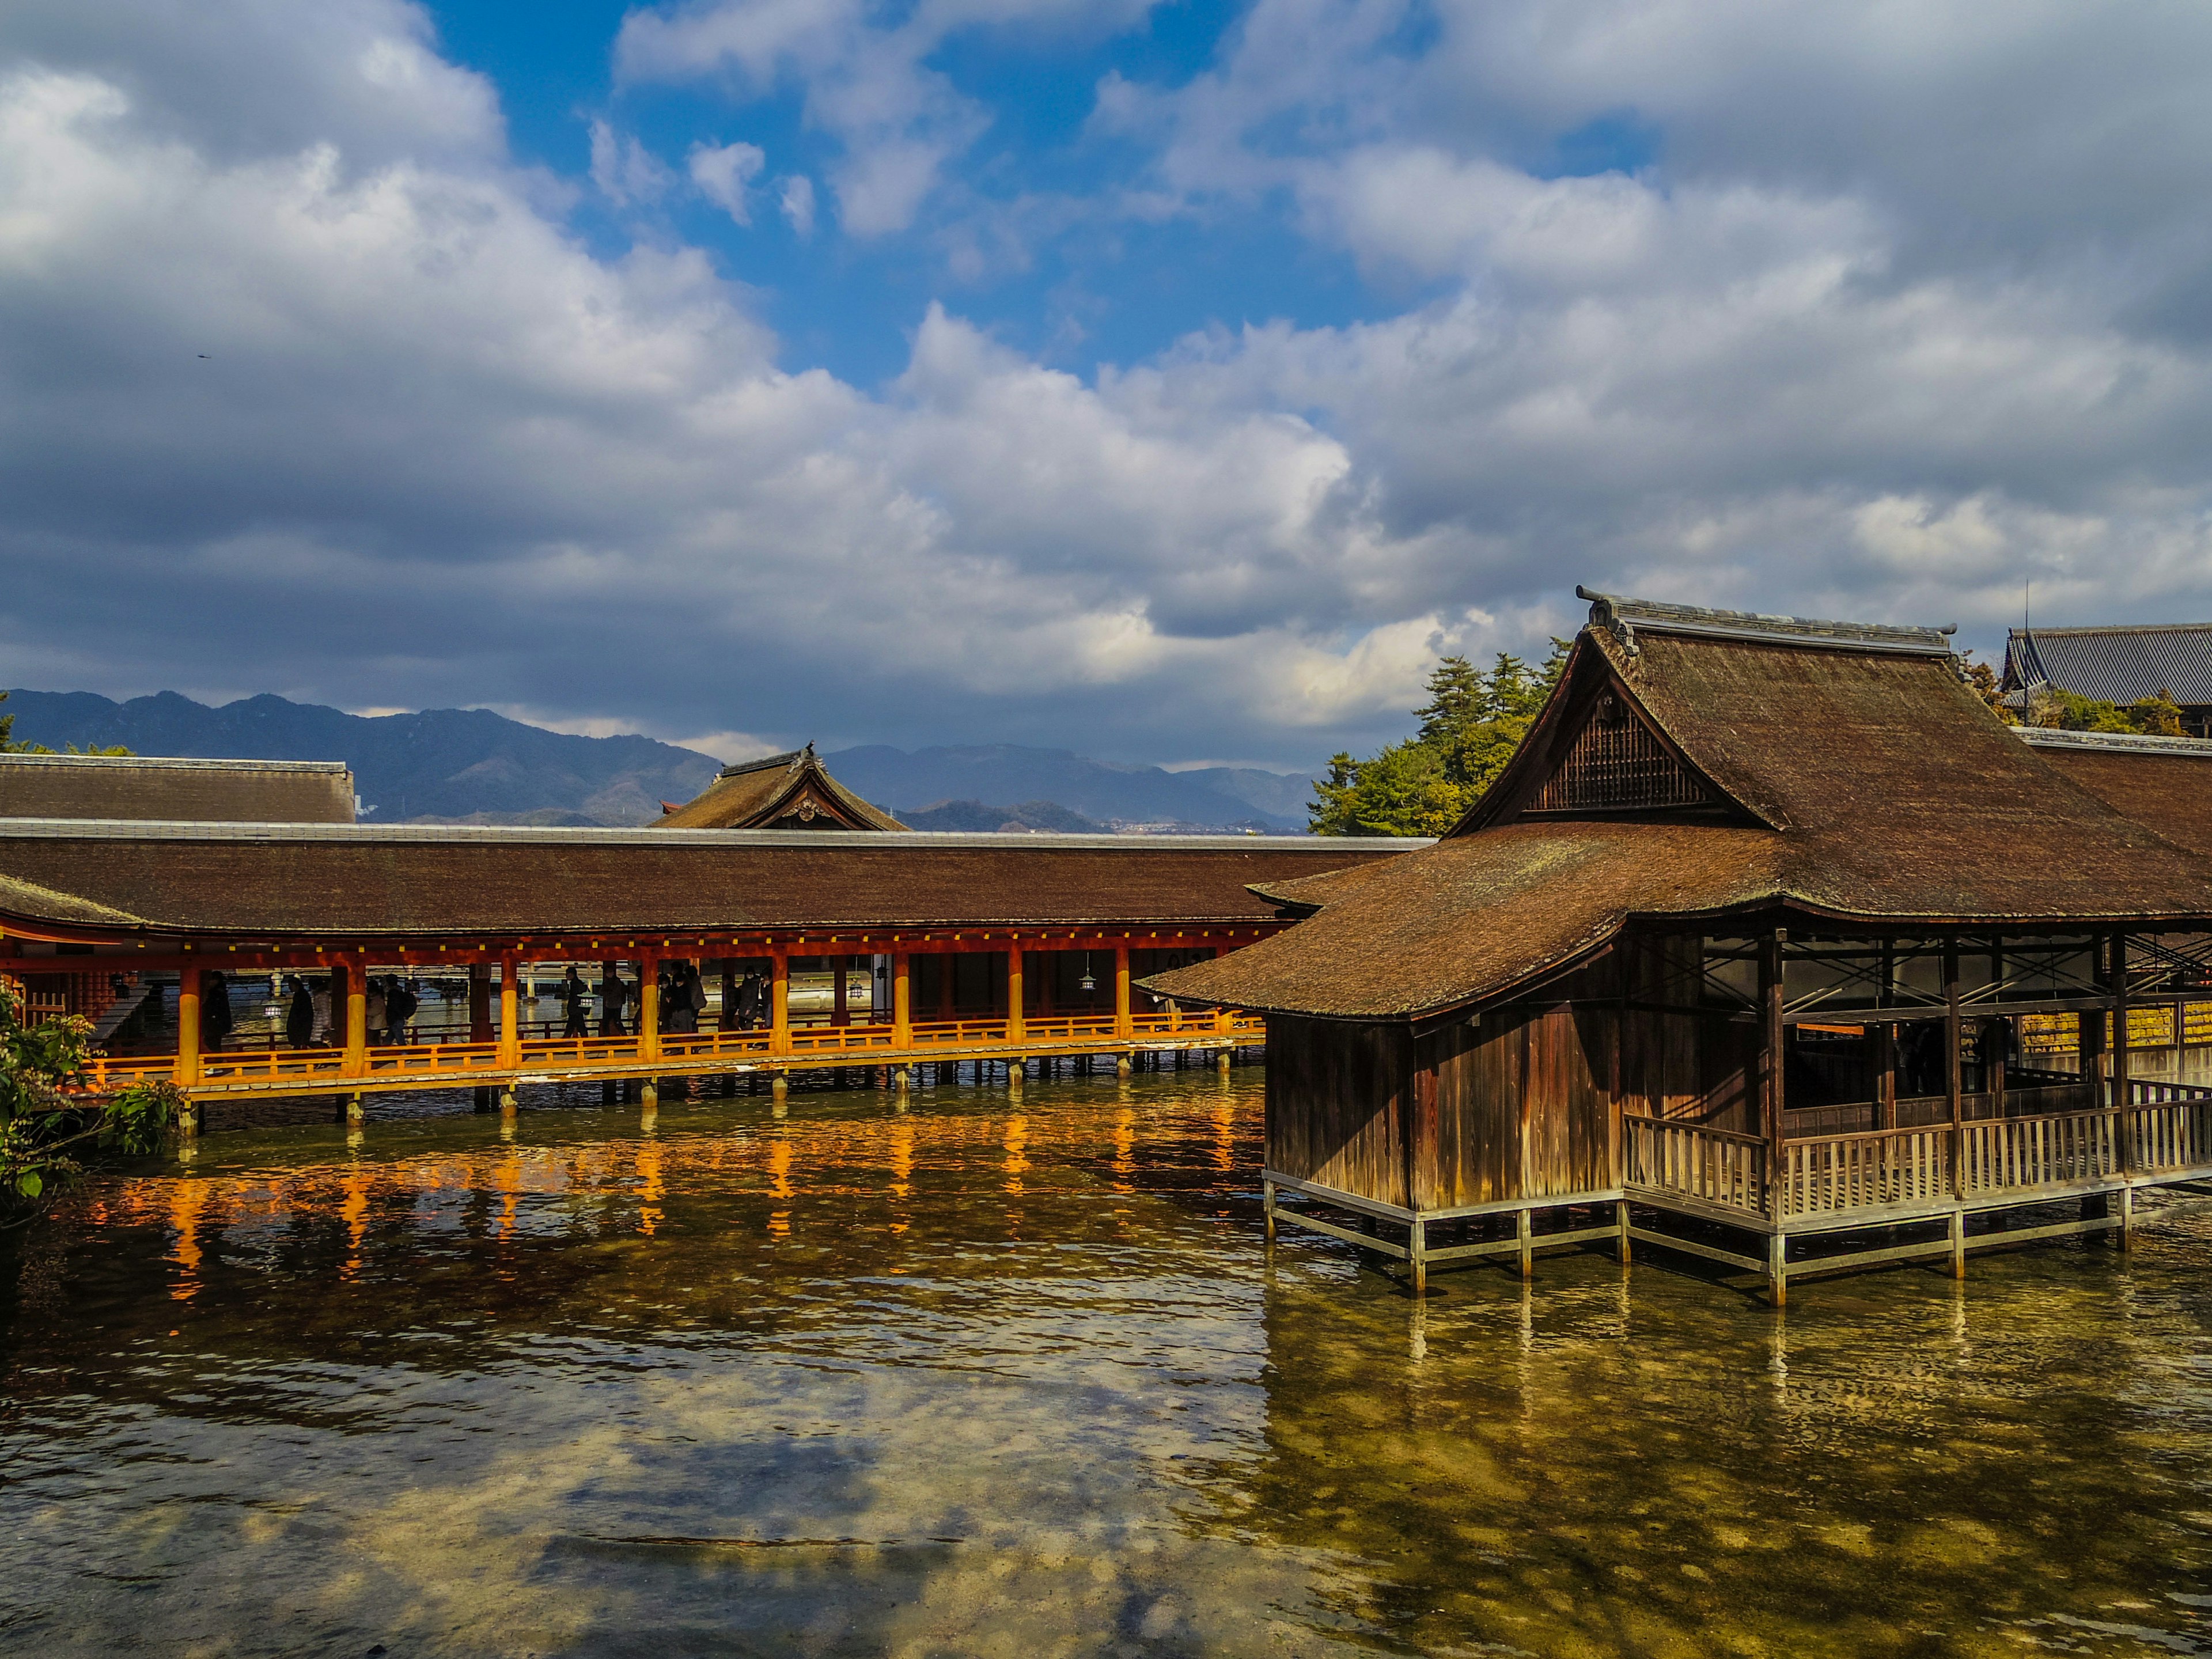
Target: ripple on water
974,1377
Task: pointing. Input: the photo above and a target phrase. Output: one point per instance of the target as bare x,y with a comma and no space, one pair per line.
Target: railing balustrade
1685,1160
1824,1174
2059,1150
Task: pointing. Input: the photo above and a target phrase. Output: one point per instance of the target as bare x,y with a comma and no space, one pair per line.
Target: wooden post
1771,1072
1885,1075
901,1001
1525,1220
1959,1243
1014,993
648,1005
1954,1090
838,1014
1777,1268
1417,1252
188,1027
1124,1018
1268,1205
2125,1120
356,1018
510,1012
779,1002
1620,1221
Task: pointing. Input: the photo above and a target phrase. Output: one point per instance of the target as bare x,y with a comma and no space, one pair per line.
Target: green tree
1469,728
47,1127
2068,711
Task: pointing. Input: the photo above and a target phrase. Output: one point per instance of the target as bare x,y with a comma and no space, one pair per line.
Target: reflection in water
954,1381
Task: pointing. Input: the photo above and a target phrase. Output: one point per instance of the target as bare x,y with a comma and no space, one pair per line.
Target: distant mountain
972,817
1215,797
450,765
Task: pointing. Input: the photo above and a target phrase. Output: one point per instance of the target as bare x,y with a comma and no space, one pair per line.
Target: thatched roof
791,790
157,787
1693,763
249,884
2164,782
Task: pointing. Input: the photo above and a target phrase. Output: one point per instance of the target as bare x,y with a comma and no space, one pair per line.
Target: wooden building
792,791
1769,926
994,949
2117,664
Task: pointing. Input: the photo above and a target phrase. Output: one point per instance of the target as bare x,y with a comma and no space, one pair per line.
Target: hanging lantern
1086,983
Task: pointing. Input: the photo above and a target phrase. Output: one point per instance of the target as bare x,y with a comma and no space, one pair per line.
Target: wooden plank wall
1695,1066
1337,1102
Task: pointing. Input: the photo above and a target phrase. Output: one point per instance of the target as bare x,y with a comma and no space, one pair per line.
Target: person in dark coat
300,1015
215,1010
612,994
400,1003
574,993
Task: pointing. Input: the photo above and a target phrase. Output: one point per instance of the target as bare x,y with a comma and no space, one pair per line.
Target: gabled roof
1849,772
791,790
2164,782
146,787
2114,664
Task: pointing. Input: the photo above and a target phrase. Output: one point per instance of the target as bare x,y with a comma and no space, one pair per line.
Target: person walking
321,1004
574,995
400,1003
612,994
379,1014
300,1015
215,1011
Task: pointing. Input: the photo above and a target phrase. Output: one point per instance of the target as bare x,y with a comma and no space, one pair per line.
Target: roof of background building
2164,782
1864,782
2114,664
430,882
791,790
159,787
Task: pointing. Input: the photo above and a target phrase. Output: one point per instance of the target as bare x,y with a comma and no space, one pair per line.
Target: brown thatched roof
2164,782
142,788
245,883
791,790
1694,762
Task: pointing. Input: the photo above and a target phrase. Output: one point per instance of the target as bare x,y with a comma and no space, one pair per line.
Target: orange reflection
1125,1148
779,1182
354,1211
649,1192
1225,1125
902,1166
1017,1145
186,1201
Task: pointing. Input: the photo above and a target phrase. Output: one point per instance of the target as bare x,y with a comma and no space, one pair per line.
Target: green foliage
2067,711
45,1129
1470,728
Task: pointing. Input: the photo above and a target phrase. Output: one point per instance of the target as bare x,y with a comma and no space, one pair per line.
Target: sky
1171,382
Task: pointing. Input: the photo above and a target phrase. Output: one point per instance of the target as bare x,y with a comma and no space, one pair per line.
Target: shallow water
981,1378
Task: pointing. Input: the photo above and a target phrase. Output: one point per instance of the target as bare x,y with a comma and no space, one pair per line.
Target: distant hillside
444,764
973,817
1218,797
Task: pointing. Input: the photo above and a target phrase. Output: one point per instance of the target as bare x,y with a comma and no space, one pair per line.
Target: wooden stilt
1958,1243
2127,1227
1777,1268
1525,1231
1416,1249
354,1111
1620,1221
1268,1204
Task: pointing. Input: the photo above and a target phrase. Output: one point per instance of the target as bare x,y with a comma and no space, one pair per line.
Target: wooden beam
1953,1082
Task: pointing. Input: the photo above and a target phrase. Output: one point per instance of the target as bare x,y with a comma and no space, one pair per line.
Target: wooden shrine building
2116,664
783,792
1769,930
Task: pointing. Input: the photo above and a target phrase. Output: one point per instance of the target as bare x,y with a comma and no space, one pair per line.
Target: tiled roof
2115,665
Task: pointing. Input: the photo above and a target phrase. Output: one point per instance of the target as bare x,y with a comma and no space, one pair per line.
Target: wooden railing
2172,1135
2062,1149
1683,1160
864,1042
1824,1174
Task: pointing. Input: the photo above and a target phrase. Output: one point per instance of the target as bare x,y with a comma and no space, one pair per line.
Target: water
981,1379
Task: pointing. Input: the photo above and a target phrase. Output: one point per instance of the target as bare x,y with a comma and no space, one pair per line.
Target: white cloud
724,172
797,201
626,172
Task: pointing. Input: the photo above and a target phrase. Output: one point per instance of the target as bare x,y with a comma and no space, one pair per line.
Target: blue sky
1171,382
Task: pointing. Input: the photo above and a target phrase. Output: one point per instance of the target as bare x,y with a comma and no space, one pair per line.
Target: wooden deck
232,1073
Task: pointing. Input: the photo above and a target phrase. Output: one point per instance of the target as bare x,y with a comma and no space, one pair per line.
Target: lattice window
1615,764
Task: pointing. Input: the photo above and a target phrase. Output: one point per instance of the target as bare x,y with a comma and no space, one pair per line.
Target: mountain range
471,766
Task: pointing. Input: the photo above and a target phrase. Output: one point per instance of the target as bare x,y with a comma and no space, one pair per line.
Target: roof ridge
182,762
1623,617
2114,627
789,757
2137,743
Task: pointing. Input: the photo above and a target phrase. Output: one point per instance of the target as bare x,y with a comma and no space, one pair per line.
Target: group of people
682,999
308,1020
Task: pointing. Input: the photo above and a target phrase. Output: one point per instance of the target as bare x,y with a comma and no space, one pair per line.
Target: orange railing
278,1068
